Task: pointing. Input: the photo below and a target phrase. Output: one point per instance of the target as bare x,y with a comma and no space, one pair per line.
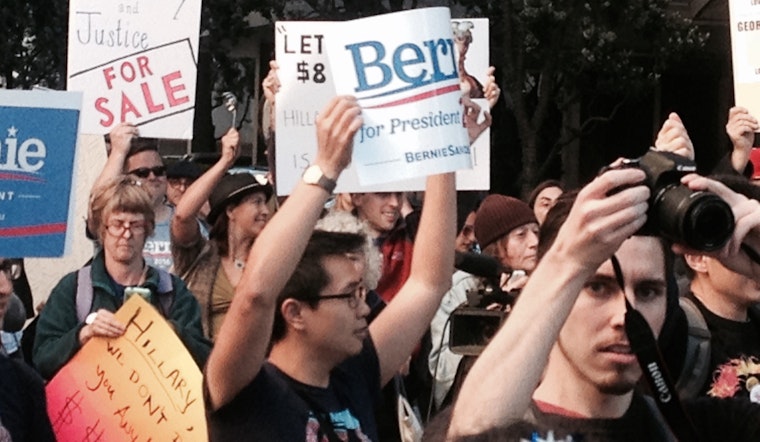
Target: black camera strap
644,346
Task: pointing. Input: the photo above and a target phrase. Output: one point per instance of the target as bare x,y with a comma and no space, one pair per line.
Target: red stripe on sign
42,229
418,97
19,177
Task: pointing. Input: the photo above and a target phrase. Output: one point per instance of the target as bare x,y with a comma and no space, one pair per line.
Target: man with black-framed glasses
302,290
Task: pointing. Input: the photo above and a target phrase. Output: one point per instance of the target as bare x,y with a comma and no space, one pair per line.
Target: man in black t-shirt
303,291
562,366
724,298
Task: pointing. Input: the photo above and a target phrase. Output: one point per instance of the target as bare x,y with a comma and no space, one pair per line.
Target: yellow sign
142,386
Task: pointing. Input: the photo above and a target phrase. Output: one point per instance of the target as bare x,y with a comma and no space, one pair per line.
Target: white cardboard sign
135,61
307,78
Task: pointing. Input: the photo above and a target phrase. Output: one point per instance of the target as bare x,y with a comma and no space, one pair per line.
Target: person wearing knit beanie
507,229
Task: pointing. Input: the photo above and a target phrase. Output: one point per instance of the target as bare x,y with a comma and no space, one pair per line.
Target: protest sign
141,386
37,155
135,62
407,84
745,50
307,85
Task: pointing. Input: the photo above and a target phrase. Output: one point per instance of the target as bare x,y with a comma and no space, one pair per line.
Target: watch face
312,175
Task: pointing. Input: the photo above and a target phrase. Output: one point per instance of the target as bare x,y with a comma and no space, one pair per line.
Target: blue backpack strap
84,293
165,291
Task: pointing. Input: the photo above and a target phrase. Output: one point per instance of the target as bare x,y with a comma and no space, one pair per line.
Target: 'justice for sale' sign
135,61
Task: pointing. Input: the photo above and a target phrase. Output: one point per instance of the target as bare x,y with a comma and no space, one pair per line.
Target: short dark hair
540,187
310,277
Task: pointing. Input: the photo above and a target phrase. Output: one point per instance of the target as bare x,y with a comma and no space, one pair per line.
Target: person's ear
698,263
292,312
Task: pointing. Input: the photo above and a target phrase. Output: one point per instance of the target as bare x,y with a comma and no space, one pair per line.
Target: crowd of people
309,321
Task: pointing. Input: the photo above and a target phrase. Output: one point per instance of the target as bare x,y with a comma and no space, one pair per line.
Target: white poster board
135,62
745,50
307,85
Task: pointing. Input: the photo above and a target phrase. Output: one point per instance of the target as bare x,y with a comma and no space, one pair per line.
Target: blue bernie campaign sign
38,138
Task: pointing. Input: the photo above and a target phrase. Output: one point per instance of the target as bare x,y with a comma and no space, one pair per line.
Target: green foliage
34,49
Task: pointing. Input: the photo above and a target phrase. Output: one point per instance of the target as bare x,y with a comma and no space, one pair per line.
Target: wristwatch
313,175
90,318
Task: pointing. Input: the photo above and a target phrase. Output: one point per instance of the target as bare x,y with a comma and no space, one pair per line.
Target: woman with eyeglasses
139,159
212,268
122,216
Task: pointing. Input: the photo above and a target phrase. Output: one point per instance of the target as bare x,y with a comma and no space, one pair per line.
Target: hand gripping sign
407,84
136,62
141,386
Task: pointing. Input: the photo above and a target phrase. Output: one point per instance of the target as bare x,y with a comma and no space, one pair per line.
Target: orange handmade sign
142,386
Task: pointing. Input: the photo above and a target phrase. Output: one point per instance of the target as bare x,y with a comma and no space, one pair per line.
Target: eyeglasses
356,297
11,269
180,182
144,172
117,227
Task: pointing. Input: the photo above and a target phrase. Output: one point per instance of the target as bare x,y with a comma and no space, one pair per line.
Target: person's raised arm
121,139
403,322
241,346
184,227
499,387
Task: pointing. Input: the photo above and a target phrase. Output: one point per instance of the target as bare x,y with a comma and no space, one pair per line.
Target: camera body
472,325
699,219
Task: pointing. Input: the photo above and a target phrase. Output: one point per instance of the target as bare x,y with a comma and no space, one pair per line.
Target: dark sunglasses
144,172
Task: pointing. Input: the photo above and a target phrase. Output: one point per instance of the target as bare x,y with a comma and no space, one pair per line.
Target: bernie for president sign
39,137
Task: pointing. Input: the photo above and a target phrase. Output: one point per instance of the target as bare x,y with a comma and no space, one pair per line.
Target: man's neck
719,303
163,212
578,396
301,363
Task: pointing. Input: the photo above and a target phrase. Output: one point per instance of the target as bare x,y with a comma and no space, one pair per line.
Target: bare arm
595,228
403,322
241,346
184,227
121,138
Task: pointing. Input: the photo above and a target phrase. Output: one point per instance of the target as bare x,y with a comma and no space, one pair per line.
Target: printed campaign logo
407,84
36,164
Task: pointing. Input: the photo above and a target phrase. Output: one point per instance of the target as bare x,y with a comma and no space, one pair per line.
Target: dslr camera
701,220
473,324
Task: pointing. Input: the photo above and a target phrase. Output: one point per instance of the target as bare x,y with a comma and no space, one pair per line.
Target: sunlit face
593,345
154,185
338,327
518,248
123,236
250,215
544,201
381,210
466,238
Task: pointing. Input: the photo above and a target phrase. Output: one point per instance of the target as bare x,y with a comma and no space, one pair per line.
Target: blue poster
38,138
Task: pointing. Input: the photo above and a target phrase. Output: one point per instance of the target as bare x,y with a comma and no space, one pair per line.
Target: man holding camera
566,366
